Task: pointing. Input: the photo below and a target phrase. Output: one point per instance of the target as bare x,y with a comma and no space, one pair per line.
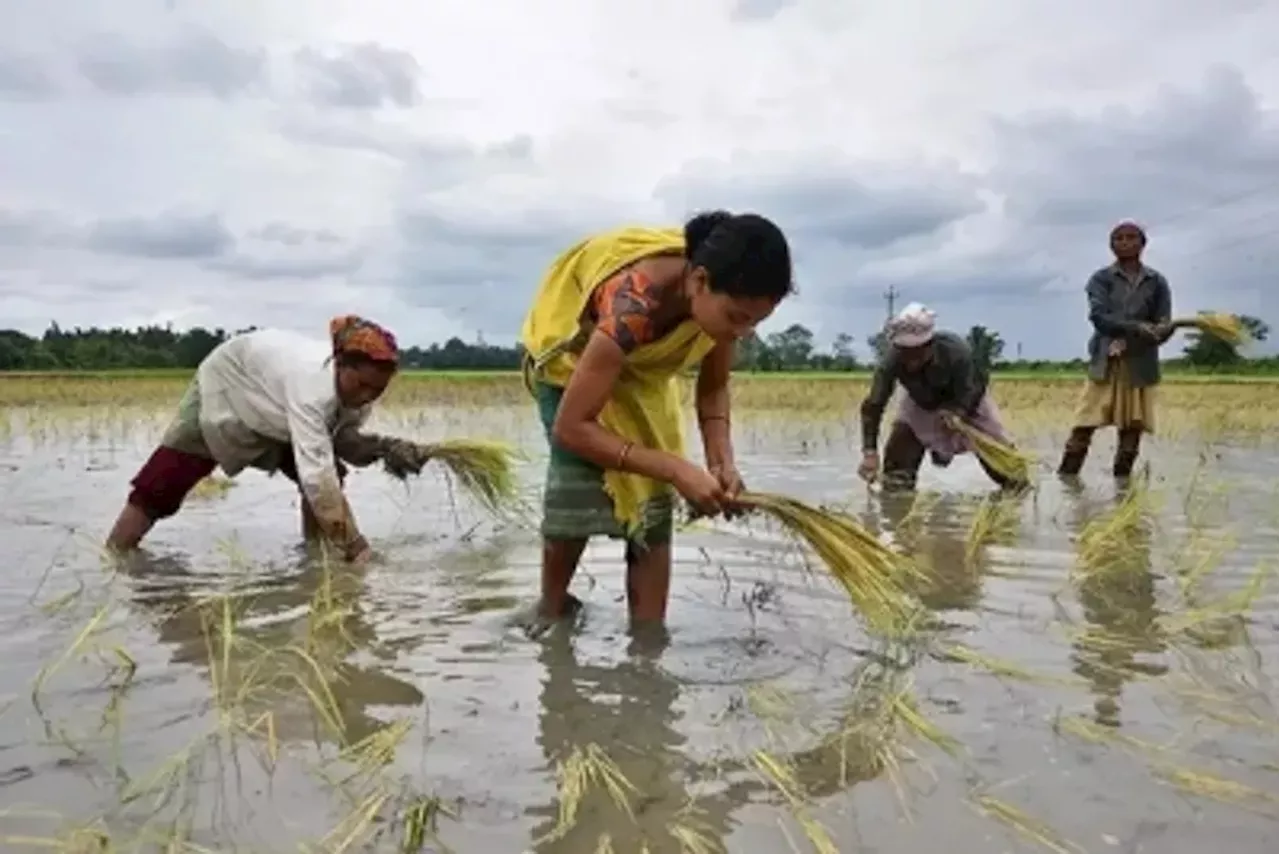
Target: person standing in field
276,401
1130,307
941,379
616,320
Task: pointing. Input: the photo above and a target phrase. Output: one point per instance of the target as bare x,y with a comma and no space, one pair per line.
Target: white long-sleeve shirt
269,386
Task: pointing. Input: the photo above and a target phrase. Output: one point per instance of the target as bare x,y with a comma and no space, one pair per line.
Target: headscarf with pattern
911,327
351,333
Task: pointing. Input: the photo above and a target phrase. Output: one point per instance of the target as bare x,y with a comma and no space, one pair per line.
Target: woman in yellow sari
617,319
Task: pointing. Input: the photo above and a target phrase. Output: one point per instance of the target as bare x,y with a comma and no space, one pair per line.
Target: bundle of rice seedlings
485,469
1226,327
871,573
1004,459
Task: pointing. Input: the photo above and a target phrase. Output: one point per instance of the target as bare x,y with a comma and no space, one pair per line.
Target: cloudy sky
261,161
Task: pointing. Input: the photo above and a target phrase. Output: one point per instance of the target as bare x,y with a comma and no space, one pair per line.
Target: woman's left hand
731,482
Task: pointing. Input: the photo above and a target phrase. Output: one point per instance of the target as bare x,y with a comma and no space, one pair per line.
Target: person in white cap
938,372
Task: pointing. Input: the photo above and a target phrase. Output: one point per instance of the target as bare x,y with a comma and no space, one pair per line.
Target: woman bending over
616,321
276,401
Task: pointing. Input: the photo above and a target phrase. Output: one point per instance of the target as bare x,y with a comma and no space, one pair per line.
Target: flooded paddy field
1097,671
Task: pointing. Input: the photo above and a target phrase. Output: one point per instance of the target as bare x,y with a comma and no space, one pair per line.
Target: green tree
793,346
1207,351
842,355
748,356
987,346
878,344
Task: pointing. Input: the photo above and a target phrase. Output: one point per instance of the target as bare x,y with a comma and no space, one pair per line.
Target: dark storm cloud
270,252
168,236
1198,169
482,270
363,76
825,203
1198,165
194,62
1190,151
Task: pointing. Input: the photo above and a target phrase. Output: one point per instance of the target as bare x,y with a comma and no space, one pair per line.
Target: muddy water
425,637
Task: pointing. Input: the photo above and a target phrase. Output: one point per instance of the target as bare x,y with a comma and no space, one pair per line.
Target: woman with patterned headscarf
276,401
1130,306
940,377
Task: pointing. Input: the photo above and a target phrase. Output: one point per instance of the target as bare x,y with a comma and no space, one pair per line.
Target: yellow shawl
645,405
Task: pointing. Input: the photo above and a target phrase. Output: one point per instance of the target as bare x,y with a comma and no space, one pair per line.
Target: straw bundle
868,570
1003,458
483,469
1225,327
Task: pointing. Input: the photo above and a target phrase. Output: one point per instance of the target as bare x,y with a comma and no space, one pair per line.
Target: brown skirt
1114,402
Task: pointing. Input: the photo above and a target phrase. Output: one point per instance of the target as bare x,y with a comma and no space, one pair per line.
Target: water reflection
948,536
279,643
629,710
1118,597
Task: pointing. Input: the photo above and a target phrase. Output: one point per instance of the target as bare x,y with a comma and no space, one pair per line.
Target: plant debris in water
869,571
258,682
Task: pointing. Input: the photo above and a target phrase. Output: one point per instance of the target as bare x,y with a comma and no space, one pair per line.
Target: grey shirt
1117,306
950,380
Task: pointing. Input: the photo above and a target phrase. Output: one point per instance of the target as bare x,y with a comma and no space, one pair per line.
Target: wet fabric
645,406
941,441
575,503
1115,402
165,480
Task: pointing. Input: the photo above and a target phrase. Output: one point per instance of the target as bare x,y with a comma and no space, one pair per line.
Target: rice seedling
995,520
1226,327
212,487
277,692
1105,540
870,572
587,768
250,680
1216,788
1026,826
484,469
1002,457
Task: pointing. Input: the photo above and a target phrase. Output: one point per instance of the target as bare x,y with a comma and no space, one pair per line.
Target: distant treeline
791,350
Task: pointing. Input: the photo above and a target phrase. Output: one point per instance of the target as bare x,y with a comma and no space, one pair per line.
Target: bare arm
577,430
712,402
317,471
1105,321
874,404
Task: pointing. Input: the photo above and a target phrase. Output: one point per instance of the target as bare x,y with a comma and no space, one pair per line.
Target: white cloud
244,162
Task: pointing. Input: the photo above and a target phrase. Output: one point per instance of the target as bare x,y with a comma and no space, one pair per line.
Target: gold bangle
703,419
623,453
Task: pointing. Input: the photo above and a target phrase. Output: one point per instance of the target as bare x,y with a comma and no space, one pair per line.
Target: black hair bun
698,229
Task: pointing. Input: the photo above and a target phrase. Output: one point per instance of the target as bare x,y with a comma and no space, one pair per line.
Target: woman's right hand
869,468
359,551
700,488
